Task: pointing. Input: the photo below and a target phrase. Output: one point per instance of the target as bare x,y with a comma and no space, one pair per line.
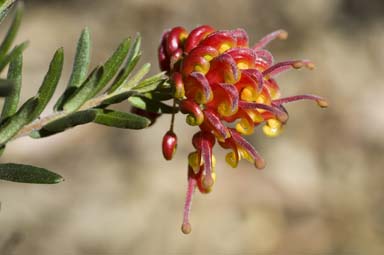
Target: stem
41,122
173,114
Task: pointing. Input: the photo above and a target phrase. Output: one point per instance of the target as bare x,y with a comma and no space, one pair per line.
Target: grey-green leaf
150,105
17,50
50,82
150,83
12,31
114,99
112,65
13,124
133,82
6,87
85,91
132,60
28,174
79,69
69,121
2,149
14,74
121,119
5,6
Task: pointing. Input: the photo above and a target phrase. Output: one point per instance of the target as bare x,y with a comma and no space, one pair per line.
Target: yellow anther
275,93
248,94
272,128
200,98
213,163
244,127
231,159
255,116
242,65
194,161
179,93
208,57
225,109
261,99
245,155
224,47
201,69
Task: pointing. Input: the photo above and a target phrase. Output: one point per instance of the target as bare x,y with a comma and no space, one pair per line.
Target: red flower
219,79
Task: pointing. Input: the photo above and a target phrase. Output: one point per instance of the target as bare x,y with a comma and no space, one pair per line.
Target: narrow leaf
50,82
13,124
150,83
112,65
85,91
149,105
14,74
28,174
14,53
6,87
79,69
132,82
5,6
114,99
132,60
2,149
69,121
12,31
82,59
121,119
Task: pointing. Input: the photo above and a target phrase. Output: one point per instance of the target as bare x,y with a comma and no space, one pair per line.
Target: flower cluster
218,79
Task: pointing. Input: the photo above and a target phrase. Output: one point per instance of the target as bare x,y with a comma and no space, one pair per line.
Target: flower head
218,79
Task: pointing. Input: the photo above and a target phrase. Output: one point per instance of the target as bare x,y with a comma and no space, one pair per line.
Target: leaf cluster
87,98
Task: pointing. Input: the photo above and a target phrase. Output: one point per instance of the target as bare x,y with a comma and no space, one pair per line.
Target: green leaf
85,91
13,124
121,119
5,6
161,94
133,82
14,53
132,60
112,65
28,174
150,83
114,99
12,31
2,149
14,74
6,87
69,121
79,69
50,82
149,105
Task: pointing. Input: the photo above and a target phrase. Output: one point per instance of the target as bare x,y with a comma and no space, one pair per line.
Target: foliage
86,99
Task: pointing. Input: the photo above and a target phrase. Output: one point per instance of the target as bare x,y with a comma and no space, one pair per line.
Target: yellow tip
230,158
273,128
283,35
186,228
298,64
310,65
322,103
260,163
207,182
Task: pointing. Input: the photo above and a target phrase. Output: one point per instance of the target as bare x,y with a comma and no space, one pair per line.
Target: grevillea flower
226,88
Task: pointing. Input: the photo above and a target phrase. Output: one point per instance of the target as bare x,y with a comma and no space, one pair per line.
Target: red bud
169,145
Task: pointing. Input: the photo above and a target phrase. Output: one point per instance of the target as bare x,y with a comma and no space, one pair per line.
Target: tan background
321,192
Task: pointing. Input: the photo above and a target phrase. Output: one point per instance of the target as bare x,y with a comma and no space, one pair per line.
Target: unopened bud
169,145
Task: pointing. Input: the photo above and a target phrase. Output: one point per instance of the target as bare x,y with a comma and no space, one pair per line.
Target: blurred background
321,192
